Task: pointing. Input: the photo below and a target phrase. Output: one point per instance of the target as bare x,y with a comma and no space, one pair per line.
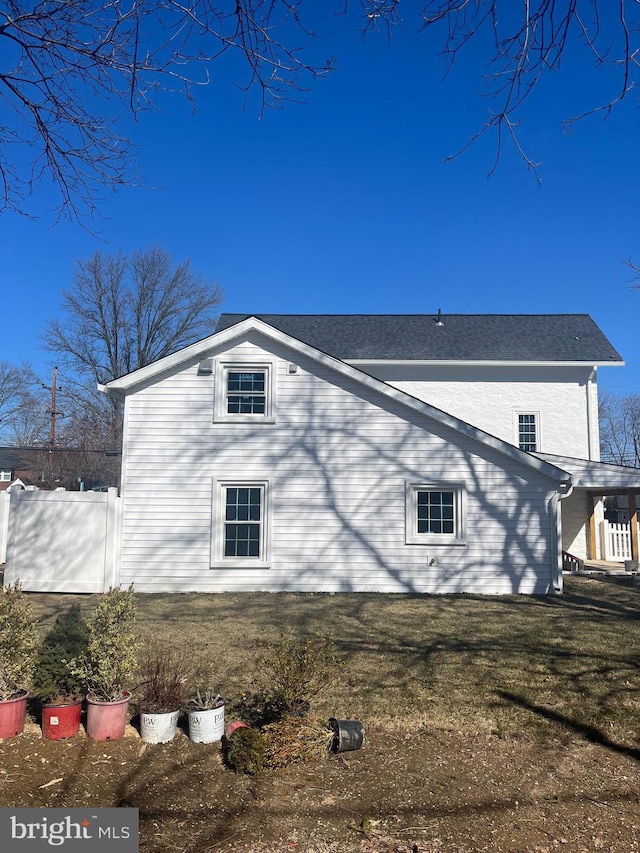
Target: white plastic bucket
206,726
158,728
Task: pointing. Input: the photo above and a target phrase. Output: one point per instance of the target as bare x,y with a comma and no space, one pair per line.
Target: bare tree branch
70,68
23,407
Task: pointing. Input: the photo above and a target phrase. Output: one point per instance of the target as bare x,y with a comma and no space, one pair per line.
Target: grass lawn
512,665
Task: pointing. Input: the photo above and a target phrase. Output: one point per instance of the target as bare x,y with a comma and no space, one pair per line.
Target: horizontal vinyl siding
337,460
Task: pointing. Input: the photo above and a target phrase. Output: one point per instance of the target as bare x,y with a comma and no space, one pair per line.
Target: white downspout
555,518
590,437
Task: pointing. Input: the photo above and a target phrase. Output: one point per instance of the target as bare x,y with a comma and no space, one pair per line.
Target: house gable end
255,332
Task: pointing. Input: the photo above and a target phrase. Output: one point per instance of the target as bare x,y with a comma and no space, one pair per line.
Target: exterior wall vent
205,368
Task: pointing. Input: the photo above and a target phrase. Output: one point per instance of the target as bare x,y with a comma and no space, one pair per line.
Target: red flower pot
12,714
107,720
61,721
233,727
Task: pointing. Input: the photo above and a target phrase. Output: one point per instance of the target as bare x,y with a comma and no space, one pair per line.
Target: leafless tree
10,387
620,429
23,412
121,313
72,67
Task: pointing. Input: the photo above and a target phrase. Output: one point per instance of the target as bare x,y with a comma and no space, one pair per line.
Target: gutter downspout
555,517
590,441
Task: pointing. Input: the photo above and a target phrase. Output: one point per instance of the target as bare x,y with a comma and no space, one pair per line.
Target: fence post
4,525
112,541
11,558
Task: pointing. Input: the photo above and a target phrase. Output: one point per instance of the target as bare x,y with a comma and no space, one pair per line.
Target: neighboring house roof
11,458
460,337
130,383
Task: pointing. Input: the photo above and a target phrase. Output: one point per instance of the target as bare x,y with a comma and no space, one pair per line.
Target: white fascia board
361,362
127,384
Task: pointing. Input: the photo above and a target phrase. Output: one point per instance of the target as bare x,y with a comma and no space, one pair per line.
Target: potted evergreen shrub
164,673
108,666
58,688
18,650
205,712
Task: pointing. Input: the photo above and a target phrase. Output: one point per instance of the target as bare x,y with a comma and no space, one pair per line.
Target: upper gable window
244,392
528,429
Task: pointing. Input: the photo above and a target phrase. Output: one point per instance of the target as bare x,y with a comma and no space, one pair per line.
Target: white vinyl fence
63,541
616,541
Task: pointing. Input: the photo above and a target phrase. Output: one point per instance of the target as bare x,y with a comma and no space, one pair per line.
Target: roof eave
481,363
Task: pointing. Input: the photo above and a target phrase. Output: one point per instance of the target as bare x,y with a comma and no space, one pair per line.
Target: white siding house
254,461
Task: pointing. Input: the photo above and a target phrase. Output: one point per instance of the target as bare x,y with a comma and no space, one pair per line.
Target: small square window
435,514
5,476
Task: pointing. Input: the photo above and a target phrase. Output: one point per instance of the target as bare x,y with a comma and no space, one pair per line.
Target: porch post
633,525
592,553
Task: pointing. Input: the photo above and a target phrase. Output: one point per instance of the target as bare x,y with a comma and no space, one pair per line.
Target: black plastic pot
348,734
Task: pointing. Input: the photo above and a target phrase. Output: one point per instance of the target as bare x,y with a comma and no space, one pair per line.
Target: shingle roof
461,337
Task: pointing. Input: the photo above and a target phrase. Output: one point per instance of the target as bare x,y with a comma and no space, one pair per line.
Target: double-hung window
435,513
244,392
240,530
528,438
5,476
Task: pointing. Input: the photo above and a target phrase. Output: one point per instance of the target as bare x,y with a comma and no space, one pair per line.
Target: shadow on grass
590,733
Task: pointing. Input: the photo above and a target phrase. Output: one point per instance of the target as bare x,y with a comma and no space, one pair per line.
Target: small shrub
295,671
257,709
18,641
164,673
109,664
296,740
246,750
53,678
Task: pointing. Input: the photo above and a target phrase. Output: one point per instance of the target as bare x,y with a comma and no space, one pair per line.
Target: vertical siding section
338,458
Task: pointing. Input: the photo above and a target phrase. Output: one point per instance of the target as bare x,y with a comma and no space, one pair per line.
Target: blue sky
345,203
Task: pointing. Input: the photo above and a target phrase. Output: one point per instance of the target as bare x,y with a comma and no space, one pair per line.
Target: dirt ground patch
405,792
492,724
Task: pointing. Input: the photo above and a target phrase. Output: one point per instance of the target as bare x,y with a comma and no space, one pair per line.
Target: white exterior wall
490,397
575,515
337,459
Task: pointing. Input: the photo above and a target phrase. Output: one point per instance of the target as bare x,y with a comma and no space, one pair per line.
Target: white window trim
516,426
218,560
5,476
458,537
222,368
